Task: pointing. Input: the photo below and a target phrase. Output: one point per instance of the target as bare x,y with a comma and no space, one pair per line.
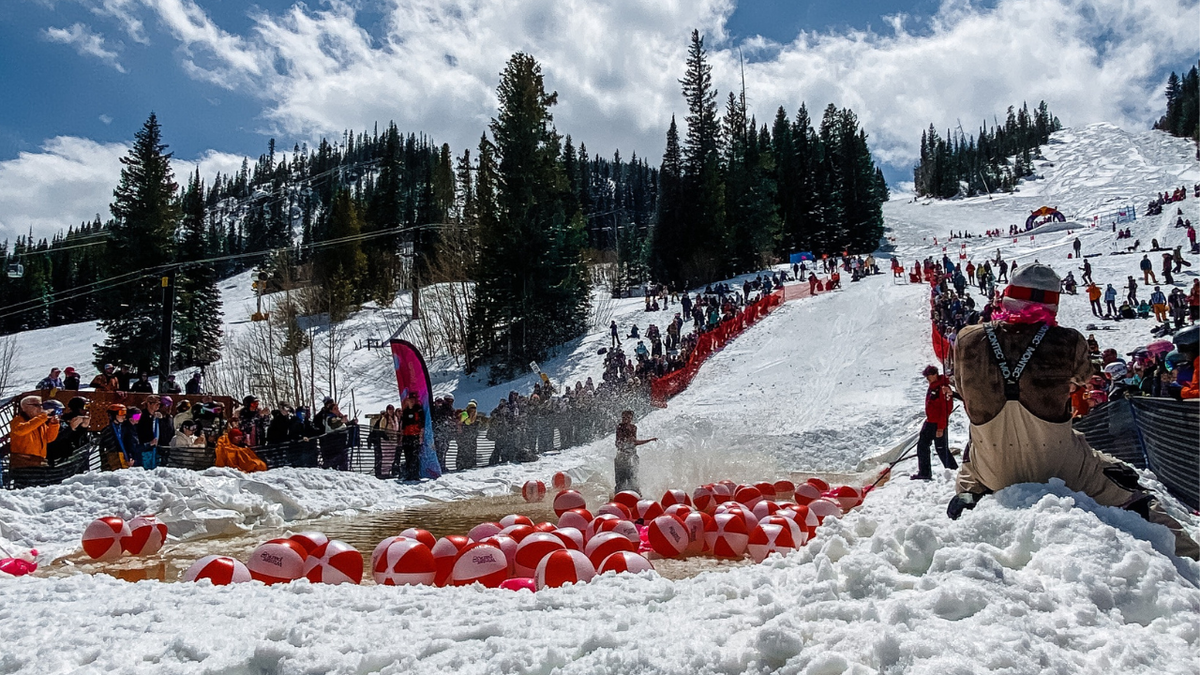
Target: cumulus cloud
87,43
71,180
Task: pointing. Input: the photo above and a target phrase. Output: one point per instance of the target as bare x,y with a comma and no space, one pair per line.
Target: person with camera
32,429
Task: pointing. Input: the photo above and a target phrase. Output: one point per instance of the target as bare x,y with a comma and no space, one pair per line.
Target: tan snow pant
1016,446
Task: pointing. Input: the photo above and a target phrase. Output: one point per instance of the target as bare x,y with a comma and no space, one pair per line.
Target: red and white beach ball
825,508
545,527
807,520
277,562
103,536
704,499
819,484
531,551
848,497
424,536
616,509
784,489
560,481
309,540
699,524
764,508
767,490
737,508
627,497
508,545
334,562
576,518
624,561
480,563
533,491
679,511
629,530
515,519
566,500
724,489
747,495
564,567
518,531
799,534
219,569
605,544
671,497
404,562
147,534
647,510
484,530
730,537
604,522
571,537
769,538
444,552
668,536
805,493
519,584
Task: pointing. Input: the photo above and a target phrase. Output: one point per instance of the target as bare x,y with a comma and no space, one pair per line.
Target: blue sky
80,76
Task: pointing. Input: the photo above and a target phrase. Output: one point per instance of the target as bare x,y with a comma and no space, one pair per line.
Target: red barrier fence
941,346
665,387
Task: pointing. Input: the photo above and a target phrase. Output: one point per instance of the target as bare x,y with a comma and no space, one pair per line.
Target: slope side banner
413,377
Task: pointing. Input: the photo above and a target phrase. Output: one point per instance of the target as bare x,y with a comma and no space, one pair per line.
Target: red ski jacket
939,403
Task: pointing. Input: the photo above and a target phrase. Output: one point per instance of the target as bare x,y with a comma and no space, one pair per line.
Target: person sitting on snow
1014,376
232,452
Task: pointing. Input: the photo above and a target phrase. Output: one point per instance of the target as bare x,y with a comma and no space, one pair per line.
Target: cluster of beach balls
722,519
110,537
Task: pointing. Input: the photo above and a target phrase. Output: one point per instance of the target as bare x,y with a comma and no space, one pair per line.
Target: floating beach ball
605,544
704,499
103,536
576,518
730,537
564,567
480,563
277,562
147,534
309,540
698,524
631,531
624,561
668,536
219,569
768,538
532,549
484,530
444,552
799,534
784,489
805,493
571,537
515,519
380,548
736,508
671,497
561,481
616,509
679,511
518,531
404,562
545,527
767,490
748,496
519,584
647,510
424,536
819,484
604,522
824,508
506,544
533,491
627,497
764,508
724,489
848,497
334,562
566,500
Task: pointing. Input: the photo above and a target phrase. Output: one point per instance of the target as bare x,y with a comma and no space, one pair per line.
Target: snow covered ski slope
1037,579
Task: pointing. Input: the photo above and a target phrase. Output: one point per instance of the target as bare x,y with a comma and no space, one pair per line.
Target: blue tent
802,256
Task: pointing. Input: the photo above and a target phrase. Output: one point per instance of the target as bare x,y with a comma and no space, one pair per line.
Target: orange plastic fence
668,386
941,346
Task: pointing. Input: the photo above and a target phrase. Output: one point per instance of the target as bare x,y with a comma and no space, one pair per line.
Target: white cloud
70,181
86,42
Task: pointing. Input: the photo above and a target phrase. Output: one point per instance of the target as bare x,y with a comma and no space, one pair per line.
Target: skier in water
1015,377
625,466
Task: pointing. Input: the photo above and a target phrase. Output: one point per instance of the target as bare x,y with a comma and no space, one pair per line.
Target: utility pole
166,334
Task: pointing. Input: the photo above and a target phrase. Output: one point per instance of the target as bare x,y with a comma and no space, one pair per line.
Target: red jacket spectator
1192,389
939,402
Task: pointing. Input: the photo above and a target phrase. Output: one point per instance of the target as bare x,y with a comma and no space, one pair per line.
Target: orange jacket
237,457
1094,292
1192,389
29,437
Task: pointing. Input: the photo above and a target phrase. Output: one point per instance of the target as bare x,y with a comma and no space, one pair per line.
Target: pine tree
706,240
145,213
339,267
198,302
531,286
667,246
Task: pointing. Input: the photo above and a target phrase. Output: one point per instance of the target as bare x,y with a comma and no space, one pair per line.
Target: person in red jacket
938,404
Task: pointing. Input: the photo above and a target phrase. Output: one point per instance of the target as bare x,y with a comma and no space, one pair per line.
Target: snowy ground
1037,579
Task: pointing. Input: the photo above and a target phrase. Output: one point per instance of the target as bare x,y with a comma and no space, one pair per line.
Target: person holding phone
32,429
73,431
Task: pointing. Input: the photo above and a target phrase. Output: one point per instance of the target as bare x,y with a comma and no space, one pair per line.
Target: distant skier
625,466
1015,377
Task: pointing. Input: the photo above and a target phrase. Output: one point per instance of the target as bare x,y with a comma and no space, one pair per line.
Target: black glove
963,501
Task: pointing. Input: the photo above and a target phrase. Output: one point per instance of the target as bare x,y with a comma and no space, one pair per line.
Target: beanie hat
1033,285
236,435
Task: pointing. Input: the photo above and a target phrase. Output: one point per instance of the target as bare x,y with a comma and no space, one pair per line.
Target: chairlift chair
16,270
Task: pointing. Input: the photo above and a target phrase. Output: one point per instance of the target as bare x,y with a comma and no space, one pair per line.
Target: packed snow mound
1036,579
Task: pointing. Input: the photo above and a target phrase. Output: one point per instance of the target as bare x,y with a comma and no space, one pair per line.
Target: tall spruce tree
145,213
198,302
531,283
703,186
